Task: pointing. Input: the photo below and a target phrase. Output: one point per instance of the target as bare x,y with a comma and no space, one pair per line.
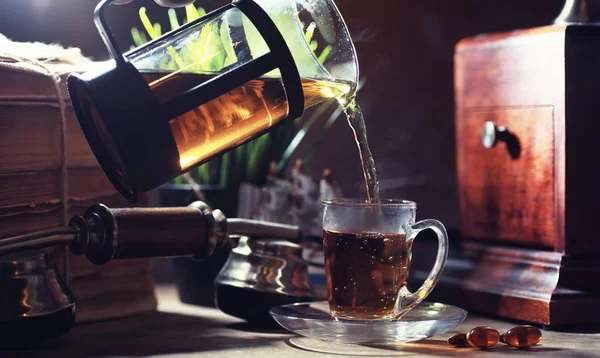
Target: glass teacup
367,258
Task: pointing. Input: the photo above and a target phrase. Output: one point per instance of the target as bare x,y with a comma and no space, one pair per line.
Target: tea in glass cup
367,257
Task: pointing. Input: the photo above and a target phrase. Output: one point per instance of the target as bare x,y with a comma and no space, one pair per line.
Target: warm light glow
186,162
327,92
234,117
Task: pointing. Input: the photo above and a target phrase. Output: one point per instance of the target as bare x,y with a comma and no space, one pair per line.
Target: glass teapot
209,86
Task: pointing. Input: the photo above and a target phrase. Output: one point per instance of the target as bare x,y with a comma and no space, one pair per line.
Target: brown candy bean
483,337
459,340
522,336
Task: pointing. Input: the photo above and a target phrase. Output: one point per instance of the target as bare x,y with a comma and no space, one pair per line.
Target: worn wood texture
183,331
540,287
48,174
117,289
80,155
516,79
509,189
161,232
22,145
529,248
102,292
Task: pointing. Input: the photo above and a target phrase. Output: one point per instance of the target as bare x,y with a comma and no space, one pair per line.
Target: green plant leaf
173,19
224,169
191,13
324,54
147,24
230,57
299,137
179,180
203,175
138,38
175,57
210,52
310,31
256,152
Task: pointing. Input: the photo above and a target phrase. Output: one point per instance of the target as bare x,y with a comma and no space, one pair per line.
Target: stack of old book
48,174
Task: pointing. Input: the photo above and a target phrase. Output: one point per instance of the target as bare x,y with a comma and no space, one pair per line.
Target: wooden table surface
179,330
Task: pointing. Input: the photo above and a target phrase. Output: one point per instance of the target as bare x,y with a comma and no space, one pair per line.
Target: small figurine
275,202
305,204
297,200
329,188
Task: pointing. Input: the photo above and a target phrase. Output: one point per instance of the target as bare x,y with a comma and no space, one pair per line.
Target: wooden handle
145,232
159,232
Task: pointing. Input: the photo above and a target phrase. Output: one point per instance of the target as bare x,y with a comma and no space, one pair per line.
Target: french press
173,103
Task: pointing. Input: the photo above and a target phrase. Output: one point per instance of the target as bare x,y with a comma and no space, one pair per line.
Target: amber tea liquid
233,117
365,272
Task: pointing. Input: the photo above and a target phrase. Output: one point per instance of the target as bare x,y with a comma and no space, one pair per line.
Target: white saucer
312,319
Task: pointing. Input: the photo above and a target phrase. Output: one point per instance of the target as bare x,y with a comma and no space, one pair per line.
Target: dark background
405,50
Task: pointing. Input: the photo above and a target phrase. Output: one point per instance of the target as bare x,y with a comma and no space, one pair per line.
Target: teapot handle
105,33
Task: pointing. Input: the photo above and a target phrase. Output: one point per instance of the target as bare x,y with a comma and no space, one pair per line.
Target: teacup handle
406,299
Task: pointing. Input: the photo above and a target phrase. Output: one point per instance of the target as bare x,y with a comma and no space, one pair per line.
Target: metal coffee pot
268,271
35,303
259,275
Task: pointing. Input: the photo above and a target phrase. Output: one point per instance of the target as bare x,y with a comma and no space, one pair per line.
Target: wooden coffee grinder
528,157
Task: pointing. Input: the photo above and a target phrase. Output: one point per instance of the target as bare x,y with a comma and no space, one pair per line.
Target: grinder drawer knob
492,134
